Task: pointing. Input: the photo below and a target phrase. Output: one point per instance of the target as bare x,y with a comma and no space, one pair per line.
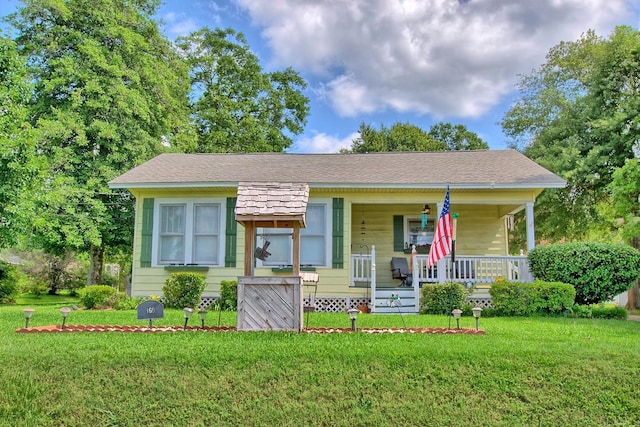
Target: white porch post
373,278
531,238
416,281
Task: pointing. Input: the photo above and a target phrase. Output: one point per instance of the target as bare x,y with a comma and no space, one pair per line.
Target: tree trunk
96,259
57,265
633,295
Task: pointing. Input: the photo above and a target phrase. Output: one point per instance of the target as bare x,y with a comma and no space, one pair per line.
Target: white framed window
415,234
315,239
188,231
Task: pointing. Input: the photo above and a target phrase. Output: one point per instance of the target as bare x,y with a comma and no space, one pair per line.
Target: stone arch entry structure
270,302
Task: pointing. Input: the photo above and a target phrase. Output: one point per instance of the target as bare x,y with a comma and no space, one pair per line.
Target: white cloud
178,24
437,57
322,143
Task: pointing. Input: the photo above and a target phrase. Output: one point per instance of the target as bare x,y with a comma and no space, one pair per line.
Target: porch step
395,300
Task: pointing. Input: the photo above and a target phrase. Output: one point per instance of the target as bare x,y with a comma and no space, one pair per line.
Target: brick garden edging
144,329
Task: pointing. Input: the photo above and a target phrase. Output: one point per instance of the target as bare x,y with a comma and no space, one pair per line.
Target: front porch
480,271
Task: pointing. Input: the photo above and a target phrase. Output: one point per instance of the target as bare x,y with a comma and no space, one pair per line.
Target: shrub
74,278
442,298
598,312
36,288
96,296
110,280
228,295
8,283
120,301
524,299
597,271
184,290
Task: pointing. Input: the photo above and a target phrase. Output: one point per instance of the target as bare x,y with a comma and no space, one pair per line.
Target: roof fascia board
486,186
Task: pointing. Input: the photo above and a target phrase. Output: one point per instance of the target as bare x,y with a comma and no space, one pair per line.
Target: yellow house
362,211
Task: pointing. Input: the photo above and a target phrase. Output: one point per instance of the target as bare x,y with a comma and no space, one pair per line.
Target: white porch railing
467,269
472,269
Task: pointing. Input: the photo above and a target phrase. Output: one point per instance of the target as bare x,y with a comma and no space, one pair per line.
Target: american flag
441,244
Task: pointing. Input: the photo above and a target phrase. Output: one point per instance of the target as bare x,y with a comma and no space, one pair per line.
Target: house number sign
150,310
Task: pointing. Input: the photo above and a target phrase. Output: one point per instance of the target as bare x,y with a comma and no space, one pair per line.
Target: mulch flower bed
155,329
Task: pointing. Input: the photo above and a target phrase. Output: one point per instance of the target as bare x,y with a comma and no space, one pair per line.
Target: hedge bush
96,296
229,295
184,290
442,298
598,312
524,299
8,283
597,271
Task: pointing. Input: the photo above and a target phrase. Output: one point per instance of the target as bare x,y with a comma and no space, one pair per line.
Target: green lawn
523,372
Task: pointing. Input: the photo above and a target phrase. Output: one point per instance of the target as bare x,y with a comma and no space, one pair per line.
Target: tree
457,137
238,107
625,193
408,137
109,91
578,116
19,167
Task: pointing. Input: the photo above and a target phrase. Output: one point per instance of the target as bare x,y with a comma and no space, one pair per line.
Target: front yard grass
524,371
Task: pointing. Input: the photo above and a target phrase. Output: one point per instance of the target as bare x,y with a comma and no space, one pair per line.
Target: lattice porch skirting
340,304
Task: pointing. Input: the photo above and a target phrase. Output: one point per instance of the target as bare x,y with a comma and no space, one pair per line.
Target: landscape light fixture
202,314
353,313
456,314
188,311
28,312
65,312
477,311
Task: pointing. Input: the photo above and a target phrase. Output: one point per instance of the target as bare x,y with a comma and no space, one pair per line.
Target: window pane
279,247
313,237
315,221
172,219
172,234
312,250
205,250
206,219
172,249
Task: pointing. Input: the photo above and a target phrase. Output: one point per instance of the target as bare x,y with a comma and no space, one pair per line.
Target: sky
381,62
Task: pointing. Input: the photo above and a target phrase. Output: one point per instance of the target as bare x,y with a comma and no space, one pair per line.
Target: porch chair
400,271
310,280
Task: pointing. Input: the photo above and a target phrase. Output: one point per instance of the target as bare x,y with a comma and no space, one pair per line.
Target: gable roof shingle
459,169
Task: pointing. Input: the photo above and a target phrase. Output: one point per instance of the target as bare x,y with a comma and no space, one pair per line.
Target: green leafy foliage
119,301
9,286
238,107
109,89
525,299
96,296
184,290
598,312
408,137
457,137
578,117
228,295
442,298
625,194
597,271
19,166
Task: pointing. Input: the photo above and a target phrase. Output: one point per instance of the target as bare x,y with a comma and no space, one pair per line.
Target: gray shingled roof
459,169
271,198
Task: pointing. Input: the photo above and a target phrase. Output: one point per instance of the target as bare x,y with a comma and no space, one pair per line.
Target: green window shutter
338,233
398,233
147,232
231,234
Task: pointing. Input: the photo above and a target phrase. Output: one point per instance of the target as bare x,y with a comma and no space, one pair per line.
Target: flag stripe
441,245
